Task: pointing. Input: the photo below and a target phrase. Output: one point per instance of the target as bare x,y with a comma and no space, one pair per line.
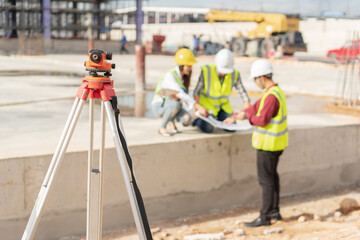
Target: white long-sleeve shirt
169,82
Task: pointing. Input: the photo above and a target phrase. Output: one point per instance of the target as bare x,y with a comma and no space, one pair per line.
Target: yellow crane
273,30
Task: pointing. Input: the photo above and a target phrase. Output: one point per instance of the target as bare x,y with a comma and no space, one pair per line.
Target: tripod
94,86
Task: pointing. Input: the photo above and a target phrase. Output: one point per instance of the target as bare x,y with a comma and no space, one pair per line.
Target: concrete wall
323,35
177,178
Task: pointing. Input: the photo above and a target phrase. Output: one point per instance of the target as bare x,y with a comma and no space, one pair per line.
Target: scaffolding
68,19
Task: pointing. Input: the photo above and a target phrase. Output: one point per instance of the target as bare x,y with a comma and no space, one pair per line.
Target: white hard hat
224,61
260,68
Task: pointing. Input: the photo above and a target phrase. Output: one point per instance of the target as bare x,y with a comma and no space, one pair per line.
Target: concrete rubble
352,218
155,230
348,205
273,230
301,219
337,216
205,236
239,232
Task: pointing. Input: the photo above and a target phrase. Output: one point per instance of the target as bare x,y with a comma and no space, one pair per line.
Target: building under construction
59,19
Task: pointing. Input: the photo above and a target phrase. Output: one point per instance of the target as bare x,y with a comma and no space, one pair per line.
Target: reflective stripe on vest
158,86
215,96
274,136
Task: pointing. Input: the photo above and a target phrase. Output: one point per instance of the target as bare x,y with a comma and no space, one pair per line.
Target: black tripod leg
128,183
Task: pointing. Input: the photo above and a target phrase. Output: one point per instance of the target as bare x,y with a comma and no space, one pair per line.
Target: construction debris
352,218
240,232
210,236
318,214
348,205
164,235
337,216
155,230
238,222
301,219
228,231
273,230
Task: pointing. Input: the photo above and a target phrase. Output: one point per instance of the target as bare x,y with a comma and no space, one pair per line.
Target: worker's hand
203,111
197,98
232,119
175,97
229,120
240,115
246,104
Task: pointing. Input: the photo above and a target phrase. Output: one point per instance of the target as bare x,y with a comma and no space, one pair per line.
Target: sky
304,7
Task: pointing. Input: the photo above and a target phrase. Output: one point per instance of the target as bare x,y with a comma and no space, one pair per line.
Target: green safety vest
274,136
215,96
158,86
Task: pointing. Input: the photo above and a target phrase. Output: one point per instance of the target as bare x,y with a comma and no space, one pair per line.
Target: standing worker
196,46
270,137
172,108
215,84
123,44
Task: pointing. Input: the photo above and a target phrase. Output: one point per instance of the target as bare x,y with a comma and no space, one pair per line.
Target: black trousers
269,181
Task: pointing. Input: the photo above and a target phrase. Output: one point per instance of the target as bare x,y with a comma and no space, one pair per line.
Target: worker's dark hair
185,78
269,76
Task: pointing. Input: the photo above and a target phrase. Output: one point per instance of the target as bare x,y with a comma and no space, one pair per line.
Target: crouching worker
270,137
174,107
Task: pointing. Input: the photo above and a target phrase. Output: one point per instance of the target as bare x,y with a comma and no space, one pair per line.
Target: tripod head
97,63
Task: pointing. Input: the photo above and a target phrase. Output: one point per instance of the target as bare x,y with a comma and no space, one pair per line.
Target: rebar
348,82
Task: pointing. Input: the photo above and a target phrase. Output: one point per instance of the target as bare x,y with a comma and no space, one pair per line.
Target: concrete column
139,50
11,20
139,21
75,19
140,68
140,105
46,19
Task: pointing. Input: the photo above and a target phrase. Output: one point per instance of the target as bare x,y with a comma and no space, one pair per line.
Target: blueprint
241,126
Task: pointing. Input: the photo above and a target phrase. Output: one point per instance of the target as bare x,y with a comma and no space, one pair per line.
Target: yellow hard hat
185,57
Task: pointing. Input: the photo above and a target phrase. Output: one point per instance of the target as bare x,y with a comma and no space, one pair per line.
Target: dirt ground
313,217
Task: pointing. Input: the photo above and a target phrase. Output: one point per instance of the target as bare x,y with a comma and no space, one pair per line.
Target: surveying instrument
96,85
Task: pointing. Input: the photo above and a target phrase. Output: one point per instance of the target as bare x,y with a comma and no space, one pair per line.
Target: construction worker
214,87
174,107
270,137
123,44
